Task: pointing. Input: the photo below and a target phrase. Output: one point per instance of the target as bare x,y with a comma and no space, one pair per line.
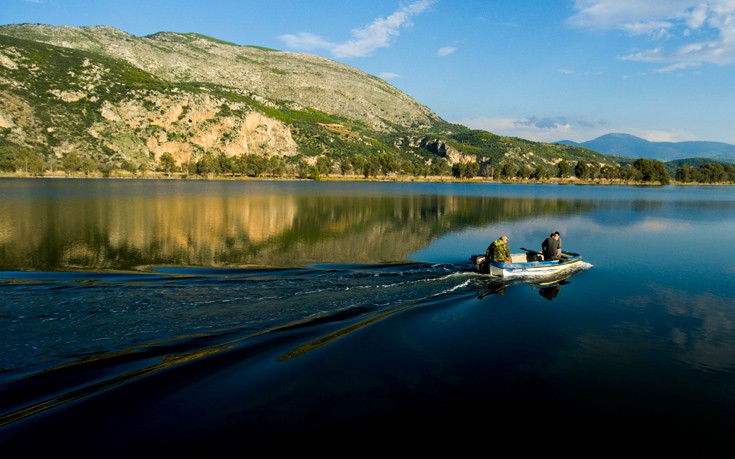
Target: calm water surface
179,315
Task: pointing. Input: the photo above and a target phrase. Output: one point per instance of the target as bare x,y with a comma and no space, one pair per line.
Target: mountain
112,100
635,147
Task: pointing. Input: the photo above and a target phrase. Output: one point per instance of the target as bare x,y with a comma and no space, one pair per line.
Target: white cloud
678,66
305,41
650,55
389,76
445,51
546,130
714,22
613,14
379,34
554,129
655,29
697,17
661,136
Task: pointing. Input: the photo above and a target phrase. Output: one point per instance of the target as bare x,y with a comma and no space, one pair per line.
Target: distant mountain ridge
635,147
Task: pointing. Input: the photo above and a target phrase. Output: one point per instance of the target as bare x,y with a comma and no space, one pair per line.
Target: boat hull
532,265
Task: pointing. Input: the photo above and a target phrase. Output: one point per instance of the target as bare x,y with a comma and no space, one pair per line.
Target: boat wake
74,335
71,335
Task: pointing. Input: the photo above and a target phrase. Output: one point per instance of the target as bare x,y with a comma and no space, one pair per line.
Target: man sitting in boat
551,247
499,250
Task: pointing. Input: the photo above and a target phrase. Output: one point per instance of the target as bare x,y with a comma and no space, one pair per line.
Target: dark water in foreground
157,317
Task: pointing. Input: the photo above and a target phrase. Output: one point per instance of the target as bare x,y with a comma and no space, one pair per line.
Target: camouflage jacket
498,250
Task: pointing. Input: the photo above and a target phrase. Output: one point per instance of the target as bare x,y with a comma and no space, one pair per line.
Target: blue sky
542,70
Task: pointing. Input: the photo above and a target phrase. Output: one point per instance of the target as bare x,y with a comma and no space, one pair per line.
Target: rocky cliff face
184,125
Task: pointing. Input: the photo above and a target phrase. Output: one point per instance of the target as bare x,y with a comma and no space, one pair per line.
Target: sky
541,70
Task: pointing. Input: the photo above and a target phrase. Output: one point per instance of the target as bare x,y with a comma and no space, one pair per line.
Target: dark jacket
551,248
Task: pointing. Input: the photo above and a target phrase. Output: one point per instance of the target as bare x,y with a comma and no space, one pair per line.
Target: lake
184,317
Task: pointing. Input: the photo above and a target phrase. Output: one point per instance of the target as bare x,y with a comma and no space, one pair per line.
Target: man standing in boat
551,247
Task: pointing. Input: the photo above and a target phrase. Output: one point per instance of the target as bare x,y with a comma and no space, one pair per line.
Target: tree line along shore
377,168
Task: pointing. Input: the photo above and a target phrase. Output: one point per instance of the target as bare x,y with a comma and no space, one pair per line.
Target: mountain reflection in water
97,224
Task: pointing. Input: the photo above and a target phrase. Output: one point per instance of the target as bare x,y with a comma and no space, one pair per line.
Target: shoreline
354,178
